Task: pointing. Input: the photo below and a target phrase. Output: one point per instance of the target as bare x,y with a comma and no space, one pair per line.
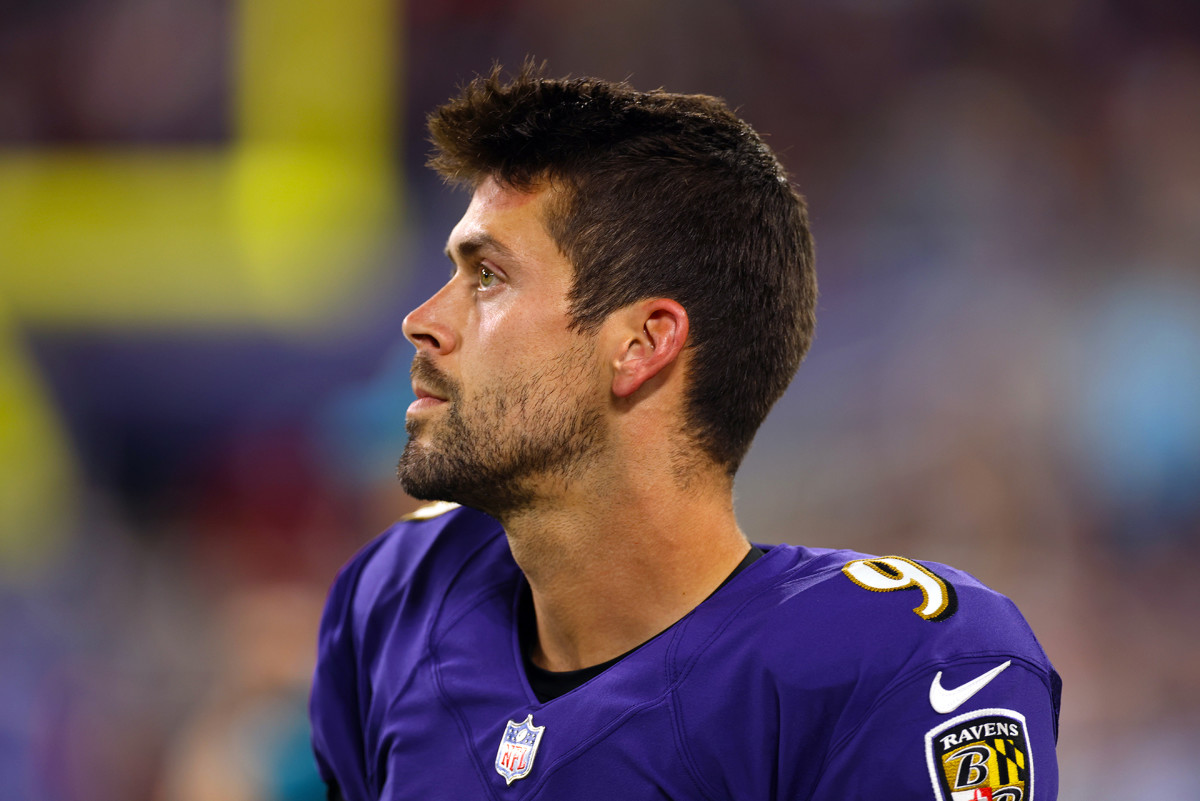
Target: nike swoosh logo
946,701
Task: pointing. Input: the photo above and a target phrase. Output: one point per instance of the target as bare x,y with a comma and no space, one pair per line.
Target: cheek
486,317
510,338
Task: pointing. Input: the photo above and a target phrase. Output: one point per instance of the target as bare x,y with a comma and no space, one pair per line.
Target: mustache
424,373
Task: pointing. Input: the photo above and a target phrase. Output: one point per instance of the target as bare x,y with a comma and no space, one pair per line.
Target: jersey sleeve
335,704
977,729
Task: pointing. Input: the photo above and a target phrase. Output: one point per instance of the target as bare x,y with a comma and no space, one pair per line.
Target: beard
499,452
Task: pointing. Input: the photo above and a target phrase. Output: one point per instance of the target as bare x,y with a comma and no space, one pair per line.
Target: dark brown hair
664,195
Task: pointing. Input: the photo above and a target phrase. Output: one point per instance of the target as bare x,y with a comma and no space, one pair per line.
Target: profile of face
509,397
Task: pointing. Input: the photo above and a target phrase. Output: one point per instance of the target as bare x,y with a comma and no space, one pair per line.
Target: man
633,288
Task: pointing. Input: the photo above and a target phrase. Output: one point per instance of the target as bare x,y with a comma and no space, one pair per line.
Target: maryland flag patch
981,756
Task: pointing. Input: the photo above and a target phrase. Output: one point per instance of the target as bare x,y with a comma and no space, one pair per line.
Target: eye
487,278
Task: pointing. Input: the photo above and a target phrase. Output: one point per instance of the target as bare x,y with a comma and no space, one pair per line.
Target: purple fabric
791,682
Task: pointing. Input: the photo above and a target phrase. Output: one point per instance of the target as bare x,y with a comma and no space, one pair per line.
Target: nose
426,326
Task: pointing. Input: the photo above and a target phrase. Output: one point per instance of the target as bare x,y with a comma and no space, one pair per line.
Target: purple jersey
813,674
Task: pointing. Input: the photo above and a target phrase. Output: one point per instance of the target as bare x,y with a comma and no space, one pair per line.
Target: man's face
509,398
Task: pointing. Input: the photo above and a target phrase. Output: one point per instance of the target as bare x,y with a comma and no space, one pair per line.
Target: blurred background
214,215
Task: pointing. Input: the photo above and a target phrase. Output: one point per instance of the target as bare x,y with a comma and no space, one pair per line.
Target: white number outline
890,573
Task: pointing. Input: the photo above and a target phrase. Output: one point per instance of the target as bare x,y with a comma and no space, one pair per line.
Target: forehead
507,221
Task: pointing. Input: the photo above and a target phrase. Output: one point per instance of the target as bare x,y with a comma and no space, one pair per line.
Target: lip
426,399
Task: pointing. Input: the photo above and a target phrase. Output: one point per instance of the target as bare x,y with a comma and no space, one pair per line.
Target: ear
653,333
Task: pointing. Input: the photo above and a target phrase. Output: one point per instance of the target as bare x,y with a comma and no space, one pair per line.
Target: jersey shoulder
830,629
407,572
381,607
864,606
430,545
834,647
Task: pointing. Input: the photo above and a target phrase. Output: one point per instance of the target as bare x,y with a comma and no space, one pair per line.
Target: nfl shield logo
518,747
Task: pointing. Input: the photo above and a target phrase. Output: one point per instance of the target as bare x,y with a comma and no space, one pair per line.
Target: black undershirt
550,684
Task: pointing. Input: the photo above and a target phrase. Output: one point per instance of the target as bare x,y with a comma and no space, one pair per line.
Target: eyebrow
471,245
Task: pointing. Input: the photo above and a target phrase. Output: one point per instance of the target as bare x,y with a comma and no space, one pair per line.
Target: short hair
663,195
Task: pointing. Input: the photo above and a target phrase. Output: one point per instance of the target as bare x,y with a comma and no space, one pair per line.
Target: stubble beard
509,447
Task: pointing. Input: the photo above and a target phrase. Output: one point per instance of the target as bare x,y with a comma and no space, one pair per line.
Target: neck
612,563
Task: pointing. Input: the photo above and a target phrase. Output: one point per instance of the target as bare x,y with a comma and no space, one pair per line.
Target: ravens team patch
981,756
